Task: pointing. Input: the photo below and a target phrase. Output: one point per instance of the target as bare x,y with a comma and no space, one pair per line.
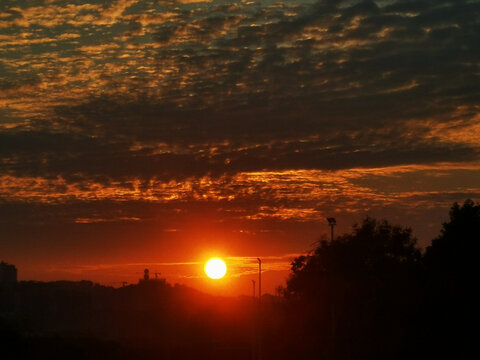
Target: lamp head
331,221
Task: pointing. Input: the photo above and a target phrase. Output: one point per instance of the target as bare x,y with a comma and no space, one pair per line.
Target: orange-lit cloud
238,126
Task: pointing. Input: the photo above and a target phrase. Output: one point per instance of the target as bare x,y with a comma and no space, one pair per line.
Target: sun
215,268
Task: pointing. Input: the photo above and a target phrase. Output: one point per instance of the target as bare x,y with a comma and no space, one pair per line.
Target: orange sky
237,281
140,133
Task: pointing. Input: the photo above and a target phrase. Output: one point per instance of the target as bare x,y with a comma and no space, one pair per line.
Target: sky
154,134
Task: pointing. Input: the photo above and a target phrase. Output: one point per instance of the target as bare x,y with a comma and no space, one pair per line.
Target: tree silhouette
368,294
358,292
374,250
452,254
451,262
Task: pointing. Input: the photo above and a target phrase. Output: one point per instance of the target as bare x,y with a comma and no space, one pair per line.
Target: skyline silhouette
315,146
160,132
371,293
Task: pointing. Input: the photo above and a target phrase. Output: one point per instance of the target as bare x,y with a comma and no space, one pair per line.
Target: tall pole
331,222
254,325
259,280
259,309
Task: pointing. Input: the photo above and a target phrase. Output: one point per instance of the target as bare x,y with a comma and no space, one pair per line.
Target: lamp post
259,280
254,328
259,354
331,222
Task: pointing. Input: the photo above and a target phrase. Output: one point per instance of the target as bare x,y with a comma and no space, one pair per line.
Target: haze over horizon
145,133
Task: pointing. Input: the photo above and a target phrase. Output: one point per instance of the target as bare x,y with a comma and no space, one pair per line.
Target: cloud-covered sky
137,131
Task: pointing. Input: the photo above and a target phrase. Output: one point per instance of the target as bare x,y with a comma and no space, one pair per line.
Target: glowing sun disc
215,268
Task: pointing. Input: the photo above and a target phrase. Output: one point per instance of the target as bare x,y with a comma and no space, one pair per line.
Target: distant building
146,277
8,273
148,280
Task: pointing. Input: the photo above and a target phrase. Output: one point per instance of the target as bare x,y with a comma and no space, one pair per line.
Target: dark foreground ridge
370,294
152,319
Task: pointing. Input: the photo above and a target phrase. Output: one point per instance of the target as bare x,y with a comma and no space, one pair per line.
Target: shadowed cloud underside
231,125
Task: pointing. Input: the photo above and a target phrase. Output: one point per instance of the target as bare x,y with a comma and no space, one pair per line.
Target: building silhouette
8,273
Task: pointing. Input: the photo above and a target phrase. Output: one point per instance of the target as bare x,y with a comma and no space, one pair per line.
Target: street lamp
259,354
331,222
259,280
257,320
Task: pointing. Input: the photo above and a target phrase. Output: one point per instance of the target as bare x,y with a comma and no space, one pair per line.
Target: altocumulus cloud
136,99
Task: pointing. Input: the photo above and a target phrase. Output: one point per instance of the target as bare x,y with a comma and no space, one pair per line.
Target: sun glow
215,268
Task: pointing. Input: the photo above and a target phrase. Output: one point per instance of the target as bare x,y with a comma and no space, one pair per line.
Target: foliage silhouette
359,292
369,294
451,263
452,254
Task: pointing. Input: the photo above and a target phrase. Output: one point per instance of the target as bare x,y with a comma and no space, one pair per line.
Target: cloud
172,101
110,15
